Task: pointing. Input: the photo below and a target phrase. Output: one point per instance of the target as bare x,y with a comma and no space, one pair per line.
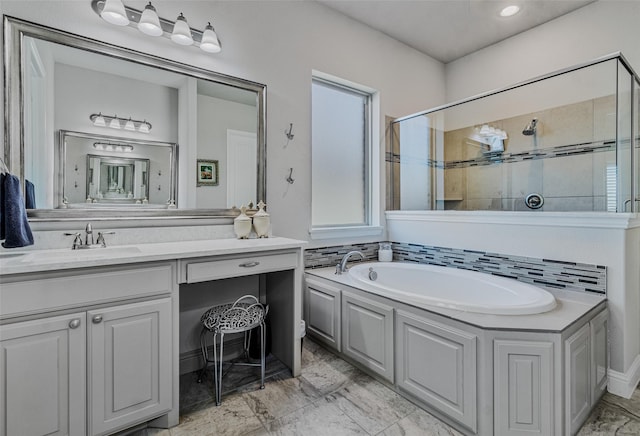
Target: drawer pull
74,323
97,319
249,264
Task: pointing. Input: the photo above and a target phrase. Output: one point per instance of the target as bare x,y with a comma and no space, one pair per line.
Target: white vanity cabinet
78,368
367,333
585,370
129,364
524,387
42,376
322,306
436,363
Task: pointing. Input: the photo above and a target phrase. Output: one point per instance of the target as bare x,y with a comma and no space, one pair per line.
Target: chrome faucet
342,266
88,239
88,233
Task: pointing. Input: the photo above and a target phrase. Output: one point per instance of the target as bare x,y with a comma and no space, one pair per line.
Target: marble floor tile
333,398
631,405
233,417
316,419
371,404
280,397
607,420
419,423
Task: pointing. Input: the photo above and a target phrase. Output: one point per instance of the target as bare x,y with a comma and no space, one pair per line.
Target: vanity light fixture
149,23
509,11
116,122
181,31
109,146
113,12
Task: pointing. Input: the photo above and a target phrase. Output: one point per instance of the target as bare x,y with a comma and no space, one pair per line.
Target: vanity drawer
214,269
80,289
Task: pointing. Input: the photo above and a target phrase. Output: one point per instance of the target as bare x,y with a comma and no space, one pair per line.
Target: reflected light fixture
113,12
148,22
181,31
129,125
115,122
509,11
99,121
108,146
210,42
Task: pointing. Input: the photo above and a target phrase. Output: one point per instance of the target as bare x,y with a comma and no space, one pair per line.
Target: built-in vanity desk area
89,339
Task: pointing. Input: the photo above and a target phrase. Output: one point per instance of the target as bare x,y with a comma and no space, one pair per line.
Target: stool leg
219,369
205,354
262,347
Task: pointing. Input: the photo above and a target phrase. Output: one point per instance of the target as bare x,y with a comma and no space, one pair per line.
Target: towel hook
289,178
288,133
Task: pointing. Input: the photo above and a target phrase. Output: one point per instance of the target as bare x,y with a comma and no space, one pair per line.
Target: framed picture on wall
207,173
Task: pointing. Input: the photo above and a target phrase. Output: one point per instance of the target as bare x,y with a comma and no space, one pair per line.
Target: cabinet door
523,387
437,364
578,378
42,380
367,333
599,355
130,365
322,312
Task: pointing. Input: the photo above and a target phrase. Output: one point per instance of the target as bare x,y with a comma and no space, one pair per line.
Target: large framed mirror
62,88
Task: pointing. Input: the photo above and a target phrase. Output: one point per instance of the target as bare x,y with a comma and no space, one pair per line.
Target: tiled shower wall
566,161
546,273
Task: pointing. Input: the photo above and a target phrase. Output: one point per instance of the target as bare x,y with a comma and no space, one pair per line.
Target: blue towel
29,194
14,226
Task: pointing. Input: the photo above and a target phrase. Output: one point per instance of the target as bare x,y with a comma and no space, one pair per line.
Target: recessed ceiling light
509,11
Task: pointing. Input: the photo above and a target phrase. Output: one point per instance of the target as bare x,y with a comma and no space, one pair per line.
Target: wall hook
288,133
289,178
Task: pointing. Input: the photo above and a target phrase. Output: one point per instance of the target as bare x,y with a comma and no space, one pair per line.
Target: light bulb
509,11
129,125
210,42
181,31
115,123
99,121
144,127
113,12
149,22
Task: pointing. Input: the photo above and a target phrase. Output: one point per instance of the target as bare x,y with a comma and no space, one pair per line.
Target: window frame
371,225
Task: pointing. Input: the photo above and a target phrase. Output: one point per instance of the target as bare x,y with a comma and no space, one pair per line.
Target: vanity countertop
571,305
32,261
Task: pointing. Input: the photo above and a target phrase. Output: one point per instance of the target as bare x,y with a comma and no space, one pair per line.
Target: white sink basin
49,256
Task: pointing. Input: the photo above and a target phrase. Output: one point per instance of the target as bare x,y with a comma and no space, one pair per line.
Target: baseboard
191,361
624,383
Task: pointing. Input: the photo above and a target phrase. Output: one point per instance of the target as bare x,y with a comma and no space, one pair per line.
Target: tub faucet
342,266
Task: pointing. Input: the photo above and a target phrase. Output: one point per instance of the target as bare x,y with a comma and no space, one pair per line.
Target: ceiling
449,29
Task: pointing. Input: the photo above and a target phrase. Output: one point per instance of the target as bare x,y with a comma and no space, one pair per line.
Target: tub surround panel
545,273
571,306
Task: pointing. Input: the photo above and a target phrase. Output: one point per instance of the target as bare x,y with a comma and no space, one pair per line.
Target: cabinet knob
74,323
97,319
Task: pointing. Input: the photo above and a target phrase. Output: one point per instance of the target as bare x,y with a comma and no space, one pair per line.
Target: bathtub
451,288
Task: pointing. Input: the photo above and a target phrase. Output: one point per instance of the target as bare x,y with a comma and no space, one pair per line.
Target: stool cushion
233,318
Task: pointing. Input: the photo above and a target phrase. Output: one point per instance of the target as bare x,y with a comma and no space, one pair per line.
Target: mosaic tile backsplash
546,273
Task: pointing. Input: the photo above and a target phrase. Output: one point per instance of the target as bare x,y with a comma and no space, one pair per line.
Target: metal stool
240,317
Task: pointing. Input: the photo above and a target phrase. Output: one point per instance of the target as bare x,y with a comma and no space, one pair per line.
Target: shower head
530,129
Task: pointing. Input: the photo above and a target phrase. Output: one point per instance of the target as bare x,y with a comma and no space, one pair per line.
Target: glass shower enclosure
568,141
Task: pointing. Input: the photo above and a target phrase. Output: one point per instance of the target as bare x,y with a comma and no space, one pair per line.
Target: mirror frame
16,29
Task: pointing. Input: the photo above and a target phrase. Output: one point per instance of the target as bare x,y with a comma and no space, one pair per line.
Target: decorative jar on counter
242,224
385,254
261,221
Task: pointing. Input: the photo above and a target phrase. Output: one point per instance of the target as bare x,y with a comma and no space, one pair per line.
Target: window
341,159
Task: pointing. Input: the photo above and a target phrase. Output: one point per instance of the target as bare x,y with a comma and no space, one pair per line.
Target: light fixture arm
134,18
